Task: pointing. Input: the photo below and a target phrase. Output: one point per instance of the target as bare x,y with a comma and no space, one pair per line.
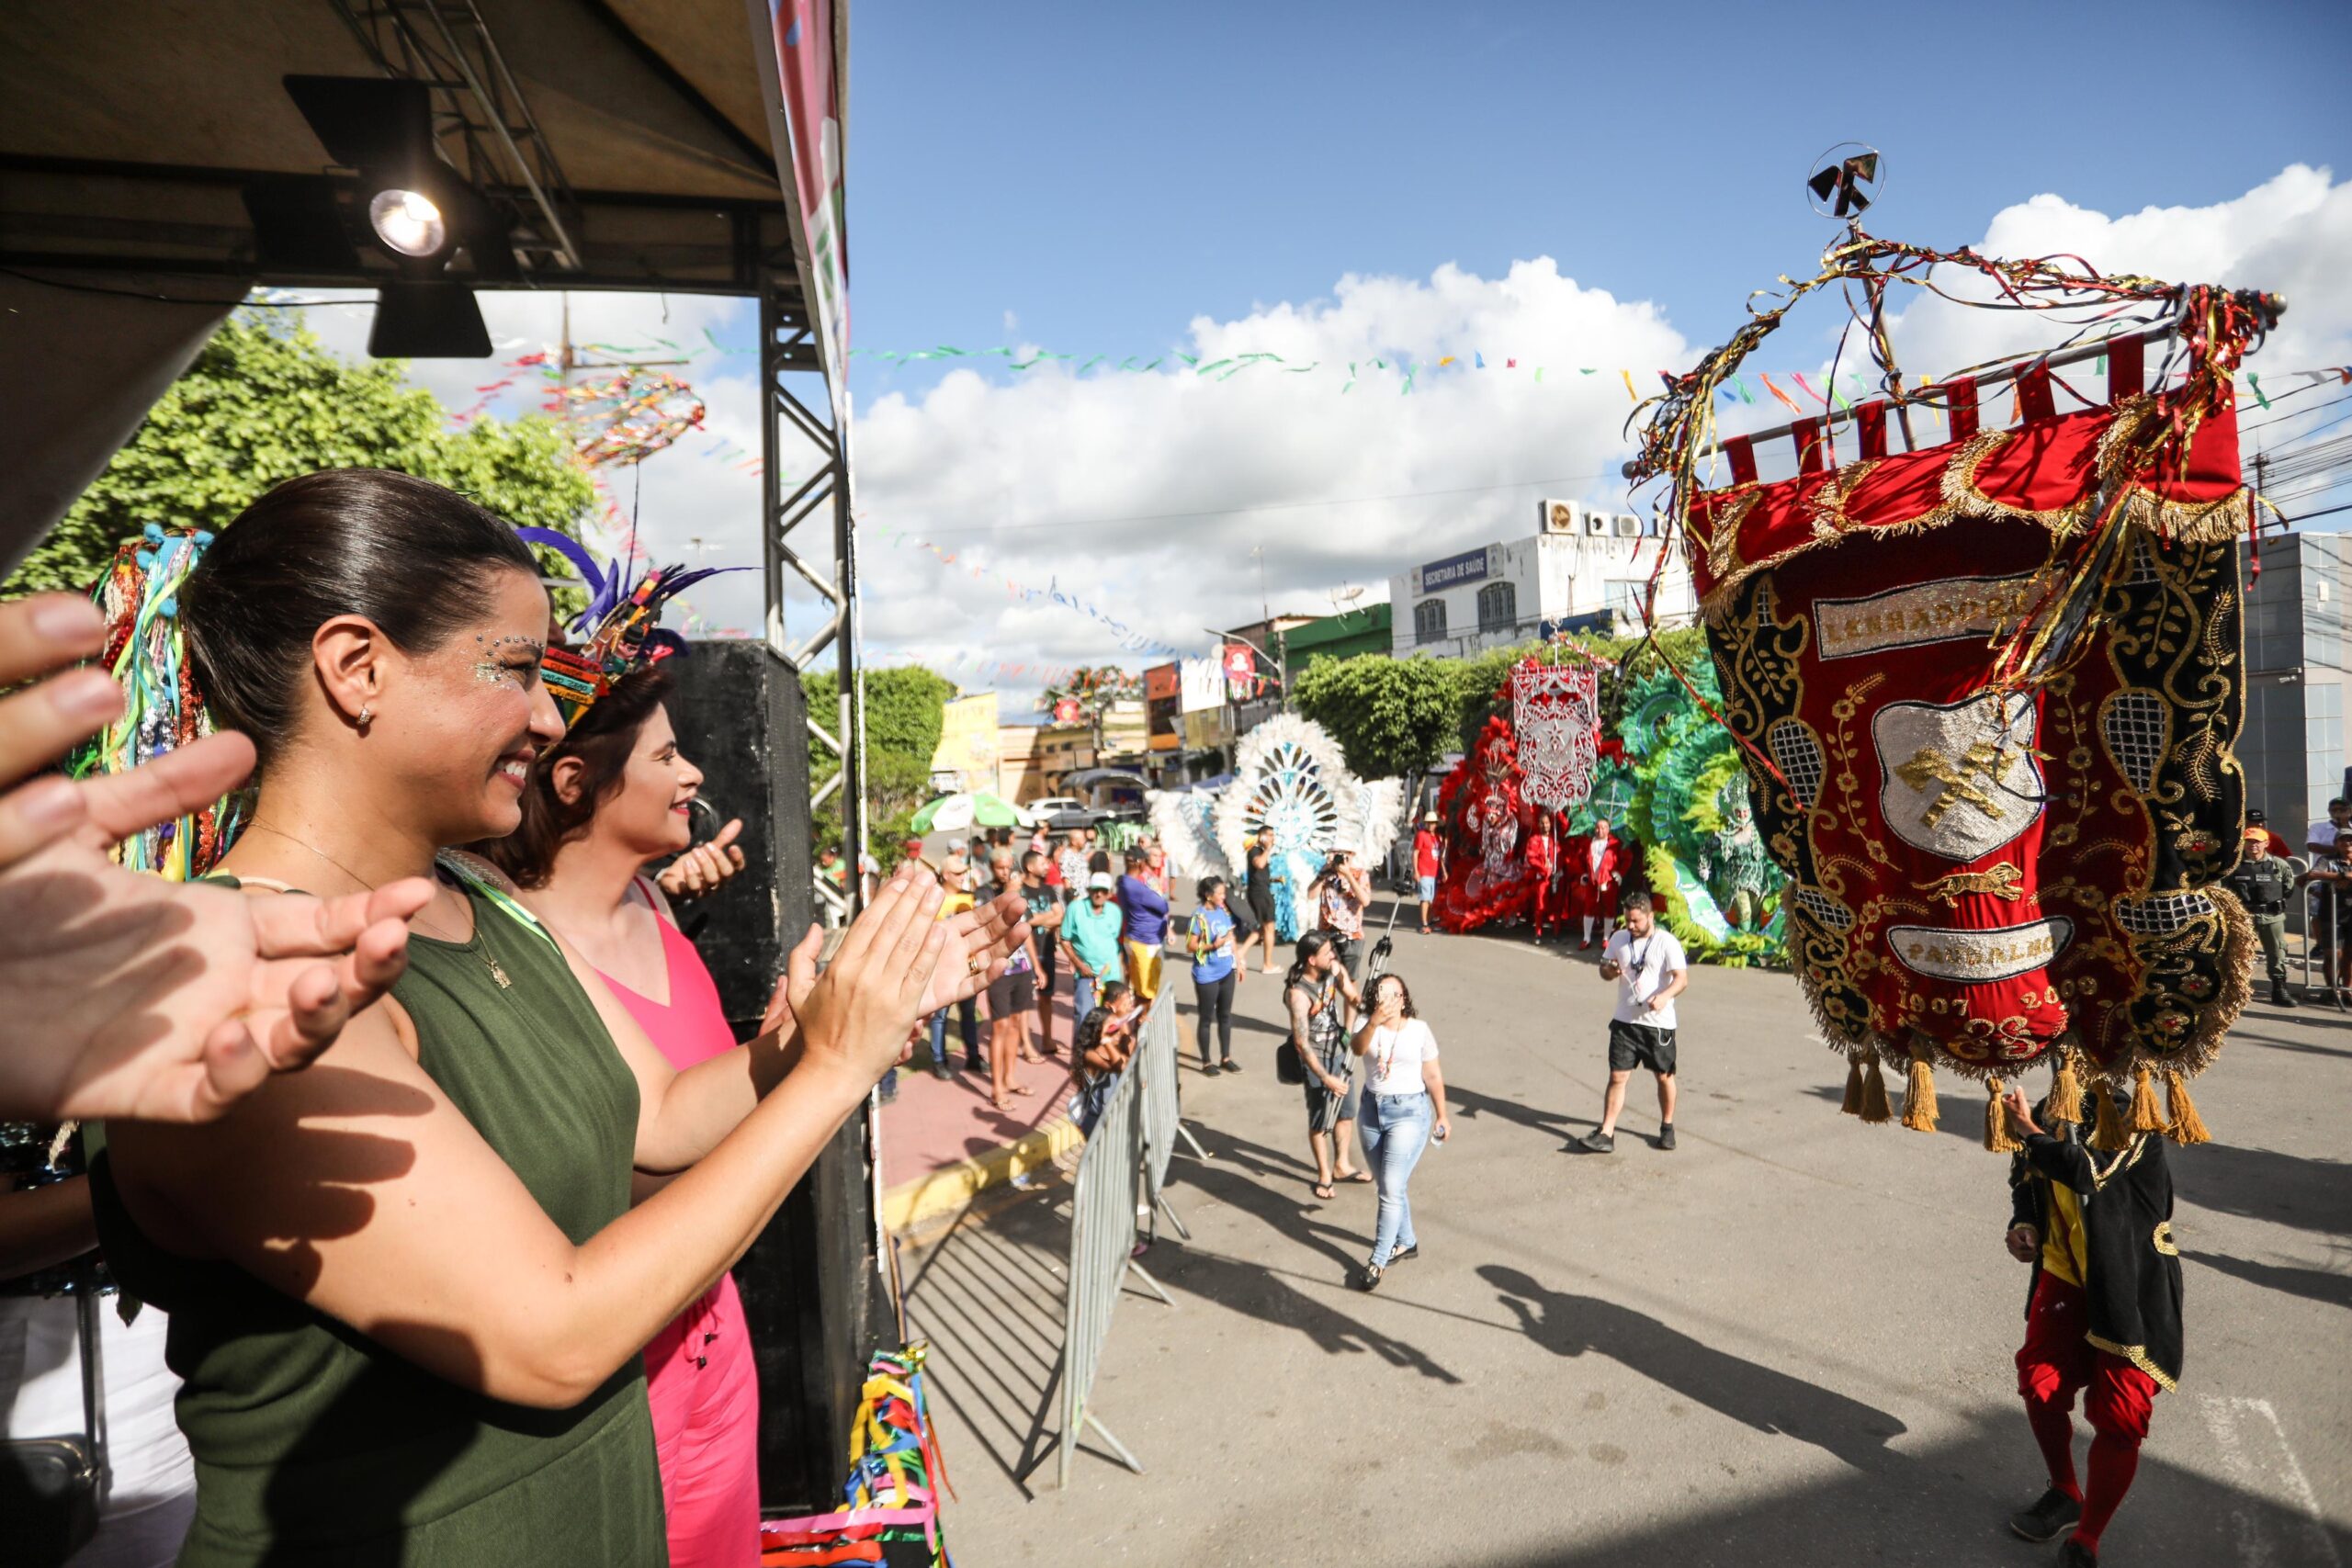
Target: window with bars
1428,621
1498,606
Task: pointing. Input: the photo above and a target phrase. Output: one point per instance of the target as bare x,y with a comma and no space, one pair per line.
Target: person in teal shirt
1091,931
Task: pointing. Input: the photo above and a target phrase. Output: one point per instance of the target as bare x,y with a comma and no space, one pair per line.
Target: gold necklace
481,950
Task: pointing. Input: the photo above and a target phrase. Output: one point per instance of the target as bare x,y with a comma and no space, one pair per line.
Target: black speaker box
809,1284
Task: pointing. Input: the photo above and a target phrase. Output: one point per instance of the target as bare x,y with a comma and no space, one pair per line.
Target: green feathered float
1716,889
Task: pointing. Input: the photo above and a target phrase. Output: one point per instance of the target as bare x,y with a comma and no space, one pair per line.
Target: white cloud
1121,488
2288,235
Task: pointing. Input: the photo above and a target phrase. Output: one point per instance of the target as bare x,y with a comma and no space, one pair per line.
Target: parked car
1062,813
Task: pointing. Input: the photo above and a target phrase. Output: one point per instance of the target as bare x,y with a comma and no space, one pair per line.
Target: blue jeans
1081,996
967,1027
1393,1129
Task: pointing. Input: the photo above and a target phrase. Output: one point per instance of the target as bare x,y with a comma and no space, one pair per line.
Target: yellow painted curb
954,1187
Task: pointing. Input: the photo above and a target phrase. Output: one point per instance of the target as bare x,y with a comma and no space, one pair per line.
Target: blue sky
1597,185
1106,172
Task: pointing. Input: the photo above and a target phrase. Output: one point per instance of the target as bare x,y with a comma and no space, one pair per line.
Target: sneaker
2053,1512
1666,1136
1595,1143
2074,1554
1402,1253
1228,1065
1369,1280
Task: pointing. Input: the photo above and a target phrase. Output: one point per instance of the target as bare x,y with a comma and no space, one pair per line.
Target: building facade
966,756
1343,635
1583,566
2292,744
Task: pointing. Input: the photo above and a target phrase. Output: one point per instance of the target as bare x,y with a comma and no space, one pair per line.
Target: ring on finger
974,964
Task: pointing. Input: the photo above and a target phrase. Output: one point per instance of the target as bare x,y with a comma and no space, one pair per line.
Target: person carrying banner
2103,1311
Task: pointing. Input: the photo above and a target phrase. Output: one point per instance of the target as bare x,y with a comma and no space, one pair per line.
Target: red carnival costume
1594,884
1543,873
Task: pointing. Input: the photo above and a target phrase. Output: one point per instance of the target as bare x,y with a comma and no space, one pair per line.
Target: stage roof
131,133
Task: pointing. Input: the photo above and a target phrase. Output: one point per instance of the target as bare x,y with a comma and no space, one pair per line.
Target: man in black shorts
1647,964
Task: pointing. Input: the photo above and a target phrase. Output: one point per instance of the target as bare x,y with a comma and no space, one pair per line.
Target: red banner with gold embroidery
1986,860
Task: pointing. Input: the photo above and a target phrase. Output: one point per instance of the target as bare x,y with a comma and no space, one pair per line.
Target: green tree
265,401
1392,717
903,719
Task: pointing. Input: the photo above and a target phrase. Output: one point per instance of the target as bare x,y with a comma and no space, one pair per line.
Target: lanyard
458,868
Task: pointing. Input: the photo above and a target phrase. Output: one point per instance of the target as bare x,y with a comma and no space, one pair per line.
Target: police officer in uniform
2264,883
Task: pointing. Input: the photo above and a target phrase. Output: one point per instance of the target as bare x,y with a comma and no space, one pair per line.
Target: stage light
407,222
435,320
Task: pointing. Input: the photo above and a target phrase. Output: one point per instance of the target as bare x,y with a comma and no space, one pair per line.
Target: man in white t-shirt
2319,839
1650,971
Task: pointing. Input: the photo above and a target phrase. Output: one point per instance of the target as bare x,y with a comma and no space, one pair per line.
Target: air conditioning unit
1596,524
1560,516
1626,525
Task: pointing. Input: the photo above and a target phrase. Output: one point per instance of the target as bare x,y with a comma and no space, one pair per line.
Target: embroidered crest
1958,780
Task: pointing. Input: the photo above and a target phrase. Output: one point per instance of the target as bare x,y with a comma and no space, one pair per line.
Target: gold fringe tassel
2188,1127
1998,1139
2146,1115
1853,1106
2108,1137
2065,1103
1874,1106
1919,1093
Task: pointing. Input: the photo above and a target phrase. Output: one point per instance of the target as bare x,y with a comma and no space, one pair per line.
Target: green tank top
315,1444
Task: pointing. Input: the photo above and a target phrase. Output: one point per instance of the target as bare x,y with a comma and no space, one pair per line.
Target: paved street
1787,1342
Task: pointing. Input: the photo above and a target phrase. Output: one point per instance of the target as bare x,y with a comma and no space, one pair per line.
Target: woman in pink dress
613,795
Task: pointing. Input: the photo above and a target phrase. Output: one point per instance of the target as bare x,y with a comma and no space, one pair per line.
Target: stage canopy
154,152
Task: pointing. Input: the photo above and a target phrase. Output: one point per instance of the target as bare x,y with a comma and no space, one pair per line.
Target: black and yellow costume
2120,1207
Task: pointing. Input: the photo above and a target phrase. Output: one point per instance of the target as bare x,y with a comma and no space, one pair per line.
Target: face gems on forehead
489,670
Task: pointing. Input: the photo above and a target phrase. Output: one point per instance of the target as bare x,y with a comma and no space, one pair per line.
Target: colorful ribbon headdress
618,632
163,706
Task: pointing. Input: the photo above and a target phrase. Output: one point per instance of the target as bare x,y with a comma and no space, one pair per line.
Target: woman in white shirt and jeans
1404,1099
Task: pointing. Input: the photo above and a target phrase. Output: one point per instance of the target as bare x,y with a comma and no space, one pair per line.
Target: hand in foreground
123,995
980,942
2023,1242
856,1020
702,868
2021,1113
792,986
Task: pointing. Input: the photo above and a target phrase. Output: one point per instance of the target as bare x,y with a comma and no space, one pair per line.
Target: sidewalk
942,1142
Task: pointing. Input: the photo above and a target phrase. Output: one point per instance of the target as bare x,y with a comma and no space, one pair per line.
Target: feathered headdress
163,707
620,631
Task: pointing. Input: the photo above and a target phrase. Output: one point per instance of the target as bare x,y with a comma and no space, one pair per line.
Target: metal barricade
1163,1107
1110,1184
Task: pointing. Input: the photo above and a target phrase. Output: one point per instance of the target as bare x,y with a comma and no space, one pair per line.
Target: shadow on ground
1949,1505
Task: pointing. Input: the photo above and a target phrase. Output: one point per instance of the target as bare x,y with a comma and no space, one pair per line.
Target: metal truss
788,347
445,45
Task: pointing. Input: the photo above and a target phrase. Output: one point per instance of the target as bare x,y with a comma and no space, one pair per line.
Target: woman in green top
407,1289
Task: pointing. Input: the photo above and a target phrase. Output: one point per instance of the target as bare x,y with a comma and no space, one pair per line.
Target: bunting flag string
1407,371
1052,594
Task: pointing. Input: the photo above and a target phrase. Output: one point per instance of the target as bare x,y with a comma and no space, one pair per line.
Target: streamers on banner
1989,869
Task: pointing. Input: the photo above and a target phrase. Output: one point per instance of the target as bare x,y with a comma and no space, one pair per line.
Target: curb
953,1187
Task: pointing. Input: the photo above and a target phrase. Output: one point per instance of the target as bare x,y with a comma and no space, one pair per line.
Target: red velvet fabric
1980,872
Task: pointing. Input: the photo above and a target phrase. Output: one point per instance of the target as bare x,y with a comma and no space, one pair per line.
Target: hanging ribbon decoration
1053,593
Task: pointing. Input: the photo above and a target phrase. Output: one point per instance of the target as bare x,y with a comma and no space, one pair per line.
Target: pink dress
698,1371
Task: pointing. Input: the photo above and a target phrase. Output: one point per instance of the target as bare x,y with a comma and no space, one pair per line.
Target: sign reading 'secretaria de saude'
1471,566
